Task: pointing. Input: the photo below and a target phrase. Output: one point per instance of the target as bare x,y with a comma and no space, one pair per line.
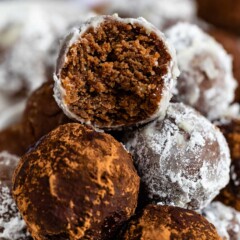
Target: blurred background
31,33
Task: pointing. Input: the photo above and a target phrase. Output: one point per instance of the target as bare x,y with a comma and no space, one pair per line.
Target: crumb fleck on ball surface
157,222
76,184
115,72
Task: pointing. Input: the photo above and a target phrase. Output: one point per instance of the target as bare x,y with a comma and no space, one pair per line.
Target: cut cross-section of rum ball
114,72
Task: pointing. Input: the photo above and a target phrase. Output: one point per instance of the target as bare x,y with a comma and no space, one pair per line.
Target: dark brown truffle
12,226
222,13
11,140
42,114
231,43
158,222
76,184
230,195
115,72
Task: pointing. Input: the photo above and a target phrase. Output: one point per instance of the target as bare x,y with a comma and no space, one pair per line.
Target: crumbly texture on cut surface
116,73
225,219
157,222
230,195
76,184
182,160
206,69
12,226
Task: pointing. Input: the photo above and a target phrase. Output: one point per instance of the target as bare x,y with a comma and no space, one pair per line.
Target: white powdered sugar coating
225,219
168,80
12,227
182,160
28,30
206,81
161,13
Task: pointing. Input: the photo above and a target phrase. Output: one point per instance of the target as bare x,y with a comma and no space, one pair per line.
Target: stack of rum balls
121,144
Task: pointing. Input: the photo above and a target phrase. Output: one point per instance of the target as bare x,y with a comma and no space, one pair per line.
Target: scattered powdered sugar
182,160
206,70
161,13
12,226
225,219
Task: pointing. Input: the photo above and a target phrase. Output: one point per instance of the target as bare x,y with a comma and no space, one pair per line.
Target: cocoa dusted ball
42,114
157,222
231,43
230,195
76,184
12,140
206,69
225,219
182,160
115,72
222,13
12,226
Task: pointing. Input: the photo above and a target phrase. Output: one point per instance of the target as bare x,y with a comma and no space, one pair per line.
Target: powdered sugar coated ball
206,81
225,219
12,226
182,160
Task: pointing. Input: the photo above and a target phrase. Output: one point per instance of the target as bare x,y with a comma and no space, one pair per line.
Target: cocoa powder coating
76,184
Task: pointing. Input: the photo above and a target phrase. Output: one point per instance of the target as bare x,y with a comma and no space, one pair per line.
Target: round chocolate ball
206,69
230,195
114,72
76,184
157,222
225,219
13,139
42,114
182,160
222,13
12,226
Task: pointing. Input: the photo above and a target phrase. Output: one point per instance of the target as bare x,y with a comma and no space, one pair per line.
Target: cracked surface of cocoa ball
76,183
157,222
230,195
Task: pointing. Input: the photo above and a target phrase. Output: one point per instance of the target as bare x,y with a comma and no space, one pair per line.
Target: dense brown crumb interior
113,74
